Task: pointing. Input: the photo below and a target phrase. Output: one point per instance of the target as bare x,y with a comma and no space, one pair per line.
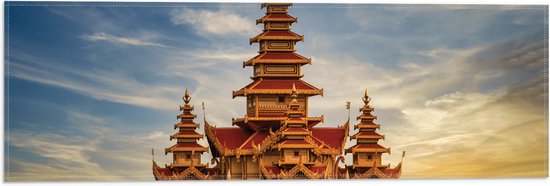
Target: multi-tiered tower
367,153
276,138
186,152
276,69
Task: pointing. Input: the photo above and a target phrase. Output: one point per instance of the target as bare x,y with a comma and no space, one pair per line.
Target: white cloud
101,36
219,22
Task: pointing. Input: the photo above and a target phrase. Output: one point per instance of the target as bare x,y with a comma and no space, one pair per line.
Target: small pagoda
276,138
367,153
186,152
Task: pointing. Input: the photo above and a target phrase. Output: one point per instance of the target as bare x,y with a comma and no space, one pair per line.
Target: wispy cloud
98,153
101,36
450,105
102,85
219,22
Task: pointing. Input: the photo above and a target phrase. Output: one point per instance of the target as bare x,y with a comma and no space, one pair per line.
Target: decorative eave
366,108
187,108
246,119
181,135
175,148
298,121
265,5
293,131
246,91
346,134
212,138
277,35
186,165
186,116
358,148
367,135
369,117
277,58
278,86
276,17
367,166
366,126
186,125
303,145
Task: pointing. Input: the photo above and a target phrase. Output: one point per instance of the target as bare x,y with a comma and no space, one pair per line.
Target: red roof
318,169
280,84
273,169
186,133
389,171
231,138
255,139
333,137
278,16
368,133
165,171
256,125
279,33
279,56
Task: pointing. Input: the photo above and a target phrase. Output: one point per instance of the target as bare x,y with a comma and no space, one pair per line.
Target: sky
91,88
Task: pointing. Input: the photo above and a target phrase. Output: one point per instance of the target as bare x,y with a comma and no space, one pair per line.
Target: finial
186,98
203,112
153,153
348,106
294,94
366,98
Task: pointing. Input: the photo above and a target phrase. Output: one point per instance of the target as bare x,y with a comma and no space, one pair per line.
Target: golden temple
276,138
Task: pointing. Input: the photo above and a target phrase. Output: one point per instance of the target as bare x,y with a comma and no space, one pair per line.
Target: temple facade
276,138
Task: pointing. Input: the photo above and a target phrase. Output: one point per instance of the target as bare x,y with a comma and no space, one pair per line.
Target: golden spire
294,94
186,98
366,98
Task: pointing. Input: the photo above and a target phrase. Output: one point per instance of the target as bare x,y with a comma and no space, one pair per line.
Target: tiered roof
278,86
367,138
276,75
367,142
186,142
187,136
277,83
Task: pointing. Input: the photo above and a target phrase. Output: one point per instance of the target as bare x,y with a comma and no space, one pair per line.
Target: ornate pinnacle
366,98
294,94
186,98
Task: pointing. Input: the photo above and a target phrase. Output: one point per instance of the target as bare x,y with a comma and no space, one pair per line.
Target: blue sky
90,89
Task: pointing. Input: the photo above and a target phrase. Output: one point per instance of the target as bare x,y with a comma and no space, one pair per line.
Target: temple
276,138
